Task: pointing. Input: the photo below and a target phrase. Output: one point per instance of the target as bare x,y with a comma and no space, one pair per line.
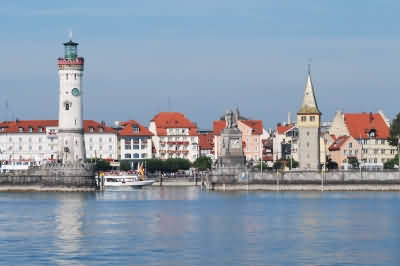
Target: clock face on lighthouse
75,91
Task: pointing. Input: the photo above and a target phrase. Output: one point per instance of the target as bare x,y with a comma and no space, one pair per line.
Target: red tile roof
360,124
206,141
128,129
218,126
164,120
338,143
256,125
282,129
13,126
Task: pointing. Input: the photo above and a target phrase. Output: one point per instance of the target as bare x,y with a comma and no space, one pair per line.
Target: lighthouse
71,146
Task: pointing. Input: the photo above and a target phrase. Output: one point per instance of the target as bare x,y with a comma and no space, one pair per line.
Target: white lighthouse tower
71,146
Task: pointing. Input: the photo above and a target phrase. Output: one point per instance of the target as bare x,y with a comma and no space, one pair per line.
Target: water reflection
69,215
186,226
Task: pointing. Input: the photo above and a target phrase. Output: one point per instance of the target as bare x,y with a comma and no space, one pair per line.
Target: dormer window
30,129
20,129
372,133
101,129
40,129
136,129
91,129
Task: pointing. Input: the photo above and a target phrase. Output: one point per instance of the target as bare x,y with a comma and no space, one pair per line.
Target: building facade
174,136
37,140
371,131
135,142
252,135
308,124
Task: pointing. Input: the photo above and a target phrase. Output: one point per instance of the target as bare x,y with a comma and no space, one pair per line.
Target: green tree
395,131
353,162
331,164
391,163
100,164
264,166
124,165
278,164
154,165
203,163
175,164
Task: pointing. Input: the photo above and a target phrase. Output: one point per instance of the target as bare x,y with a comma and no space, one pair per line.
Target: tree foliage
124,165
353,162
391,163
395,131
169,165
100,164
330,164
203,163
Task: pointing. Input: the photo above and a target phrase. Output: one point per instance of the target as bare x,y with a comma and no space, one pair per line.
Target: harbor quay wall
242,179
51,178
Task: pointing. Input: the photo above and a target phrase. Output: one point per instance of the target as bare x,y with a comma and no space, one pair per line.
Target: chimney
289,118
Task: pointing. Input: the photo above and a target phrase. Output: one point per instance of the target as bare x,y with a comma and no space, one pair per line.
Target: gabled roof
338,143
255,125
128,126
218,126
282,129
87,124
206,141
14,126
309,104
360,124
164,120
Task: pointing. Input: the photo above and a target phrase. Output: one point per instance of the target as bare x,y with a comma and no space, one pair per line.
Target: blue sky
205,56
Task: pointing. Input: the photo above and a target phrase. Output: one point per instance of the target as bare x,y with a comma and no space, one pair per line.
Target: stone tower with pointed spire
308,123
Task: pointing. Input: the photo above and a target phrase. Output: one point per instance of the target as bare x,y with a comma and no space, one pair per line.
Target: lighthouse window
75,76
67,106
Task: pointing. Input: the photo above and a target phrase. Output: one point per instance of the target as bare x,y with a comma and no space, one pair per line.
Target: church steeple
309,104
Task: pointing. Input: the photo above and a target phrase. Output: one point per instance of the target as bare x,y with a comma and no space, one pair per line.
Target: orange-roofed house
371,130
206,143
285,142
252,135
135,142
343,148
175,136
37,140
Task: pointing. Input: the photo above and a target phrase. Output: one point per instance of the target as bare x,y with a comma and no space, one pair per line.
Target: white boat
125,181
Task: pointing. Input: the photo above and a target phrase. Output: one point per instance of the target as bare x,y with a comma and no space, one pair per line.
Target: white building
134,142
175,136
37,140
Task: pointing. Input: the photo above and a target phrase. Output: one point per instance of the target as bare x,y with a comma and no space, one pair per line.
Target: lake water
186,226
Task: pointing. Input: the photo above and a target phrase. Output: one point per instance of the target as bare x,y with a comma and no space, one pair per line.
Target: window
382,141
109,140
40,139
20,148
136,155
135,128
144,155
383,151
110,147
40,148
127,156
67,106
372,133
20,139
30,129
91,129
20,129
312,118
135,147
376,151
100,147
100,139
66,76
127,146
303,118
30,147
350,145
101,129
